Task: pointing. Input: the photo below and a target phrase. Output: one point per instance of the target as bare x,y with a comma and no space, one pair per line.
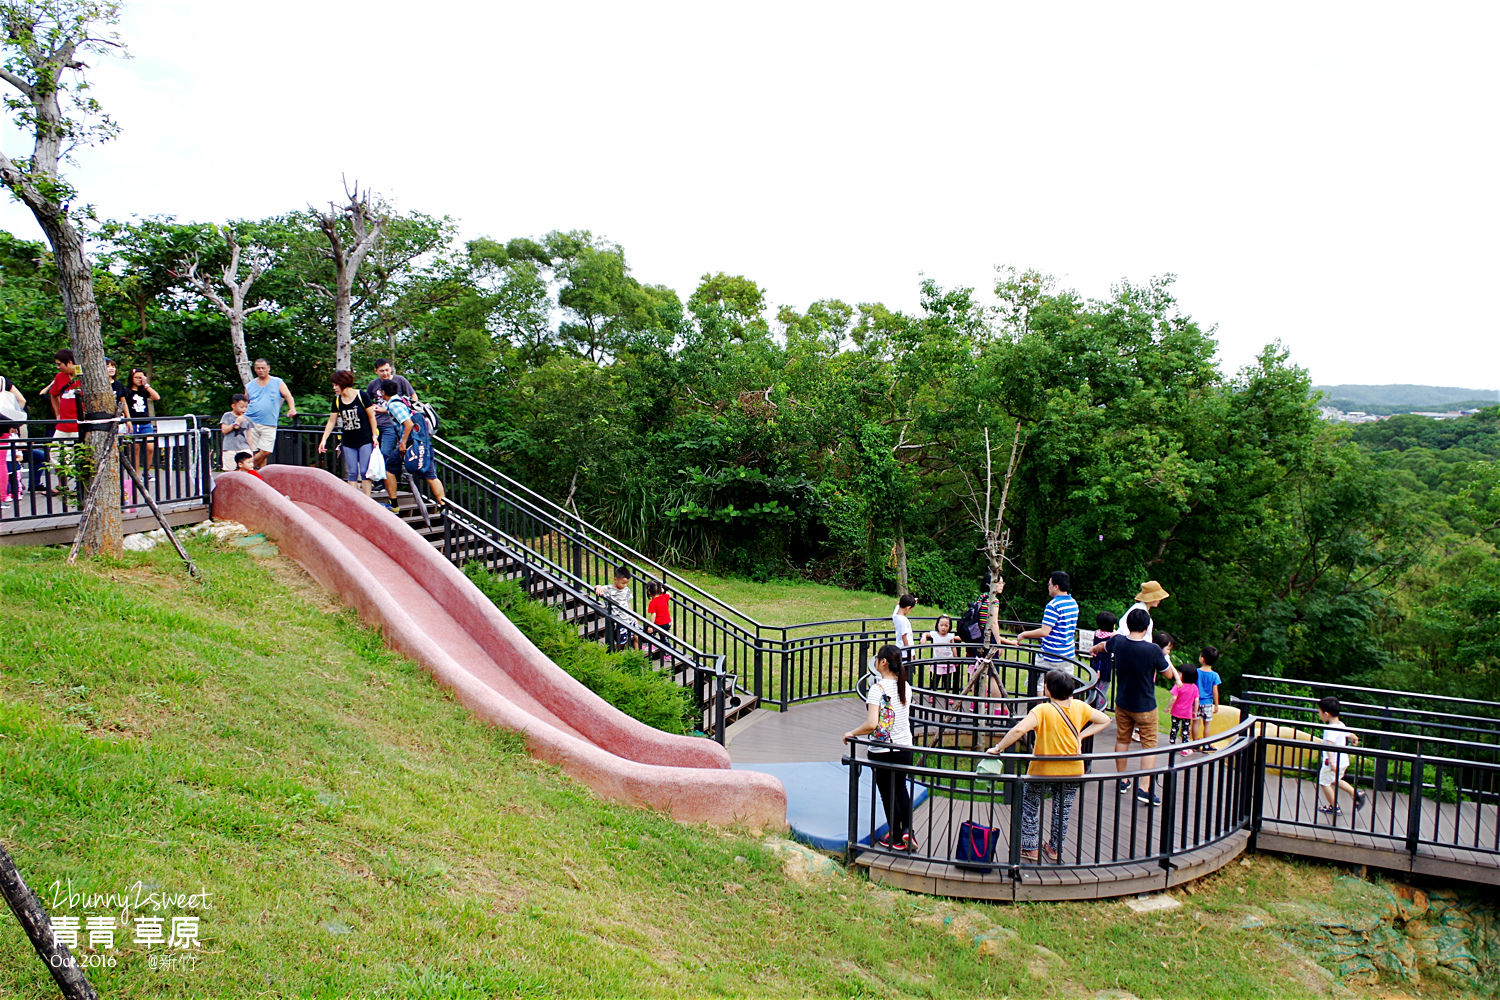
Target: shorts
263,438
1048,663
1206,712
1127,722
145,428
229,465
1333,769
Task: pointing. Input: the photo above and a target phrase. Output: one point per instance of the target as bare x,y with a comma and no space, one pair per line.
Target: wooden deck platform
59,529
1115,843
1455,840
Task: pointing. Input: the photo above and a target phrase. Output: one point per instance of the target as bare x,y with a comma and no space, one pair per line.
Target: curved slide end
430,611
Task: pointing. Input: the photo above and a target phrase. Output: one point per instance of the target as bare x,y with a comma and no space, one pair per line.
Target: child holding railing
941,638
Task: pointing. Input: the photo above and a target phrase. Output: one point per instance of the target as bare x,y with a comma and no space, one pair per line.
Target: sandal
1029,856
1052,857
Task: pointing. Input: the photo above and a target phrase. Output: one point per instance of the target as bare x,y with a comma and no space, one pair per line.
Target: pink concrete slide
431,612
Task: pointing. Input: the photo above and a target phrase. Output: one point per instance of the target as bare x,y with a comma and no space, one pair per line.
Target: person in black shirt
138,397
1137,664
355,415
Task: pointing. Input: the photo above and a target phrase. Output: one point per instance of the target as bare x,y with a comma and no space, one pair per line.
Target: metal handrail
637,557
1332,688
705,666
179,467
1447,780
1153,835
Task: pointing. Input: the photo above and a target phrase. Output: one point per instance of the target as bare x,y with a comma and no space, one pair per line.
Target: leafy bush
935,583
626,680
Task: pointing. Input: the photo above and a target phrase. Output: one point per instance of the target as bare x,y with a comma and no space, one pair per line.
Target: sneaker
909,843
888,844
1359,801
1124,786
1186,753
1146,797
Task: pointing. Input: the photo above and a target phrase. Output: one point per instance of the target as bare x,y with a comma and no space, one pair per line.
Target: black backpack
969,626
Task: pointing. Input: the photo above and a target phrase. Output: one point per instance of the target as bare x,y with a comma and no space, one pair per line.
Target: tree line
861,445
1011,430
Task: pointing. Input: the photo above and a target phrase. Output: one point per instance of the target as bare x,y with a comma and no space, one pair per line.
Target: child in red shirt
661,614
245,462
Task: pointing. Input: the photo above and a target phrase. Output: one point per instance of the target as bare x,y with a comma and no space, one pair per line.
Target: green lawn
358,834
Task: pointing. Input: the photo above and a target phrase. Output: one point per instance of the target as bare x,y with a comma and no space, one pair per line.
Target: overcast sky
1323,174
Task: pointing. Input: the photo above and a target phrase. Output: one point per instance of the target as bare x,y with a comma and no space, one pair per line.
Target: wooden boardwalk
1116,845
1455,840
59,528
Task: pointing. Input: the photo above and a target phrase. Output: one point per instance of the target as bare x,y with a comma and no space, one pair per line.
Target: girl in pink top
1184,704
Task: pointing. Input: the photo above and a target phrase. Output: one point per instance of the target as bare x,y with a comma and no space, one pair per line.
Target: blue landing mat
817,802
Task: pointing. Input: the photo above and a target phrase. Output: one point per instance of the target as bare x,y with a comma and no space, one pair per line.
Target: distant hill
1384,399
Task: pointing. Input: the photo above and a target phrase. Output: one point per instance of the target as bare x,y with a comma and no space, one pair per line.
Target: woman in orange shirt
1061,725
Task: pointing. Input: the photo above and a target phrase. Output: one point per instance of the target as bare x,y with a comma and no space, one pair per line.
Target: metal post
851,760
1168,803
760,666
1257,784
1414,805
719,700
1012,786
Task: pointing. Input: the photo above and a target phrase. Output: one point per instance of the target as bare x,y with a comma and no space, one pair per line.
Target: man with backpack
388,432
414,444
973,624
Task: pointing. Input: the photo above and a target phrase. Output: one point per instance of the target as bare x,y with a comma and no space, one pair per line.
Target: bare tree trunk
903,583
98,404
234,309
984,513
45,45
366,223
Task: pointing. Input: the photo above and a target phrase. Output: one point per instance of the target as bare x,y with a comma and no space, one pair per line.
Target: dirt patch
296,579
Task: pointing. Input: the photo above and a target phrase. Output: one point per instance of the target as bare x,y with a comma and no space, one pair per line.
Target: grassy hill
358,834
1387,399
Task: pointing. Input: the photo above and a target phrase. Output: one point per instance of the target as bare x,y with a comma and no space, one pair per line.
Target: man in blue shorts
415,436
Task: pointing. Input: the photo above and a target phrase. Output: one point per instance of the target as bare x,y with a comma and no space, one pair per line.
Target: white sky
1323,173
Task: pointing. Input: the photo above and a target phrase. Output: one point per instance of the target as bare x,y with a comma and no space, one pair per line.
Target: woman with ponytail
886,721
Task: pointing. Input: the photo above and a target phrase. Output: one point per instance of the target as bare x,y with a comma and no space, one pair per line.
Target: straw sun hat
1151,591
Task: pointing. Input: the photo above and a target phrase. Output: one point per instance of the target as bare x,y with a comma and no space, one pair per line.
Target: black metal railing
1400,721
46,475
1438,797
777,665
1203,793
468,538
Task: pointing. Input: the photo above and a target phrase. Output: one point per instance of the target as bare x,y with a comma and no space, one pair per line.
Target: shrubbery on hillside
626,680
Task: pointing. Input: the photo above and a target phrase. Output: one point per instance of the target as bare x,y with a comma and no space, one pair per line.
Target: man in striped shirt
1059,628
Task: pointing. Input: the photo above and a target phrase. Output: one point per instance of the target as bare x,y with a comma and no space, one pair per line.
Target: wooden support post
28,910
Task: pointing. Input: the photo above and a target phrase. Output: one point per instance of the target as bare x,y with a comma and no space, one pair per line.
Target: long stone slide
431,612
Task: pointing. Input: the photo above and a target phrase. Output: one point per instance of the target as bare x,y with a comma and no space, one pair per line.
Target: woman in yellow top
1061,725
